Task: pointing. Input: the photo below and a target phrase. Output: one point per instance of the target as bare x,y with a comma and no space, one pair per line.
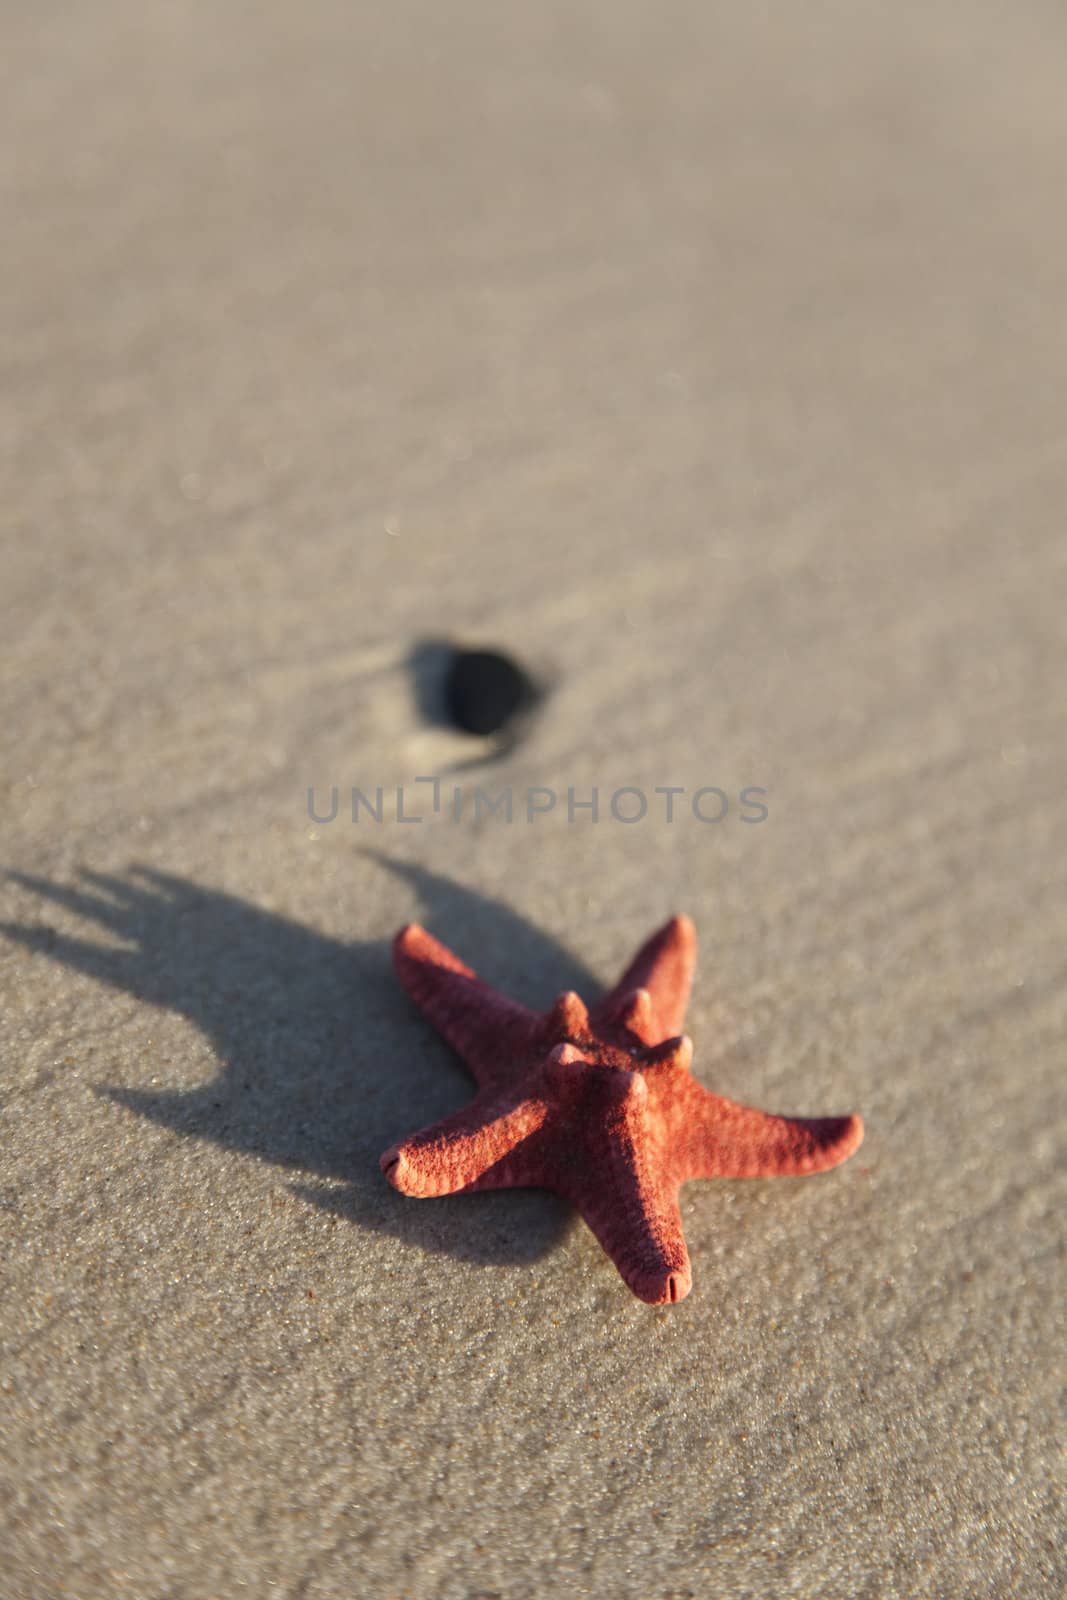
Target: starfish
598,1105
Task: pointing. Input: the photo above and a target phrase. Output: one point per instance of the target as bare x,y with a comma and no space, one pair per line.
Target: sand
715,364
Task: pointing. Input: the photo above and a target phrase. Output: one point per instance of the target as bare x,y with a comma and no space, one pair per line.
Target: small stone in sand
485,690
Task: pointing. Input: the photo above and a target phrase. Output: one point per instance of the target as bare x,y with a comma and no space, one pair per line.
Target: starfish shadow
324,1061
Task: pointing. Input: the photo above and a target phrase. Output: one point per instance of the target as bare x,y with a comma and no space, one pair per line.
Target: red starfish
599,1106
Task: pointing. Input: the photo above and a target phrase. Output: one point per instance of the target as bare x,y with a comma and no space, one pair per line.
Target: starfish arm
717,1138
640,1228
475,1148
621,1179
664,967
490,1032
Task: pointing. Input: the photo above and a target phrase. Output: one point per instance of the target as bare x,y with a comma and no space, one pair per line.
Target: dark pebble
485,691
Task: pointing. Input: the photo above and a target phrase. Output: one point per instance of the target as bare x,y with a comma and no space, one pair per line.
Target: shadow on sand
324,1061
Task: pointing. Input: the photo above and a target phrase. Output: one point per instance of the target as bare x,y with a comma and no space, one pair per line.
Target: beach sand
715,365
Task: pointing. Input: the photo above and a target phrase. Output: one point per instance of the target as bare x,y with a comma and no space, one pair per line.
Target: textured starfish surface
598,1105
